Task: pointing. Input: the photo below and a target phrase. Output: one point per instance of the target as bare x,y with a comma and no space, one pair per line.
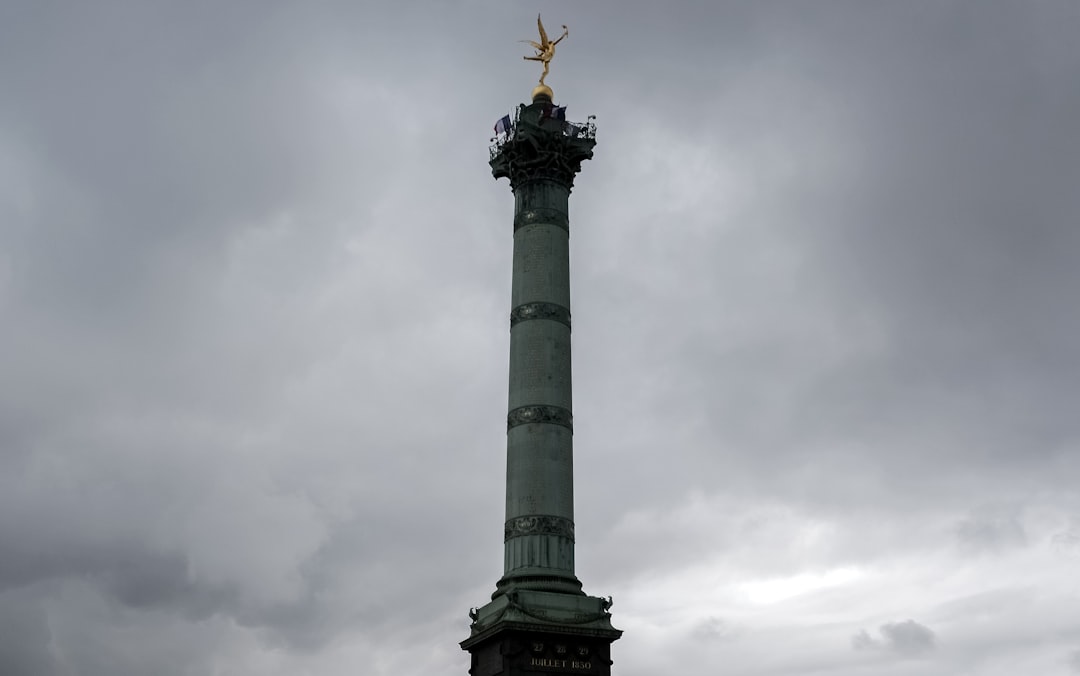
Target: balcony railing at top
577,130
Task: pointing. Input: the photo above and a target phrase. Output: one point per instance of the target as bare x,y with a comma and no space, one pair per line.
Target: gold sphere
542,91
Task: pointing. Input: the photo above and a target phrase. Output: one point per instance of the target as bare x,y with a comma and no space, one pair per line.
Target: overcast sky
254,300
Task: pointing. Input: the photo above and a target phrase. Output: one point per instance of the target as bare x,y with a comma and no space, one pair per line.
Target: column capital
540,146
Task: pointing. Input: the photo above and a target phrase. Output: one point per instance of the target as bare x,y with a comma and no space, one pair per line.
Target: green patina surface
539,594
540,157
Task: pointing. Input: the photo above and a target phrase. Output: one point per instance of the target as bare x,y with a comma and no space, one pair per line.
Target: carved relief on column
555,415
538,525
542,215
551,311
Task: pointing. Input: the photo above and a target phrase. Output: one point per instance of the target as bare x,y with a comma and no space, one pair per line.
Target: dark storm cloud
124,570
909,289
958,243
25,639
253,272
151,160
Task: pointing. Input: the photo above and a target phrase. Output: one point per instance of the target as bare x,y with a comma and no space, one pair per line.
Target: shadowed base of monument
534,632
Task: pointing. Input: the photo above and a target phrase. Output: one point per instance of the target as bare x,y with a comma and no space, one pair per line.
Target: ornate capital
542,147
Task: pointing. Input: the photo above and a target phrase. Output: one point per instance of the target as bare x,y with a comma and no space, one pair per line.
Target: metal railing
576,130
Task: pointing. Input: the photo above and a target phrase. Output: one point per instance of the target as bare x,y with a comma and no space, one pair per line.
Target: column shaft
539,529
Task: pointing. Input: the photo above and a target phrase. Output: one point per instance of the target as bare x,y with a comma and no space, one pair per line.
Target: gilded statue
545,49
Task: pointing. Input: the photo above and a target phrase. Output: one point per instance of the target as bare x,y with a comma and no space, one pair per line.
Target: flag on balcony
503,125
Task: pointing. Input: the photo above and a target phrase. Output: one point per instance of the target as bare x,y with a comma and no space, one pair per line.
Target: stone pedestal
537,633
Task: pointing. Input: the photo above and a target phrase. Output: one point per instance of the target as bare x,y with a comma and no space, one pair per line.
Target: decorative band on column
541,215
556,415
538,525
551,311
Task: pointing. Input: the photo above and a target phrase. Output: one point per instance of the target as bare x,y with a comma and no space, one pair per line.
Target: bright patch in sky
773,590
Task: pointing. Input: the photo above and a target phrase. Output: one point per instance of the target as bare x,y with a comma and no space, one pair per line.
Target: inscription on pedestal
561,657
567,665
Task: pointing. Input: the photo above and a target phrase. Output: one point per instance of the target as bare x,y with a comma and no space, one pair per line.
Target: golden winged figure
545,49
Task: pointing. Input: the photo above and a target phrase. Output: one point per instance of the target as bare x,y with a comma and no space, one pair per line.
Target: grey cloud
25,637
991,531
253,277
715,629
863,641
1067,542
906,639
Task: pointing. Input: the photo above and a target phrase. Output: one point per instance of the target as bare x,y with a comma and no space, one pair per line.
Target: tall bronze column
539,621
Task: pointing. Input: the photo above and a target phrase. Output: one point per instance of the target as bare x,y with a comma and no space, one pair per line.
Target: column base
537,633
539,579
